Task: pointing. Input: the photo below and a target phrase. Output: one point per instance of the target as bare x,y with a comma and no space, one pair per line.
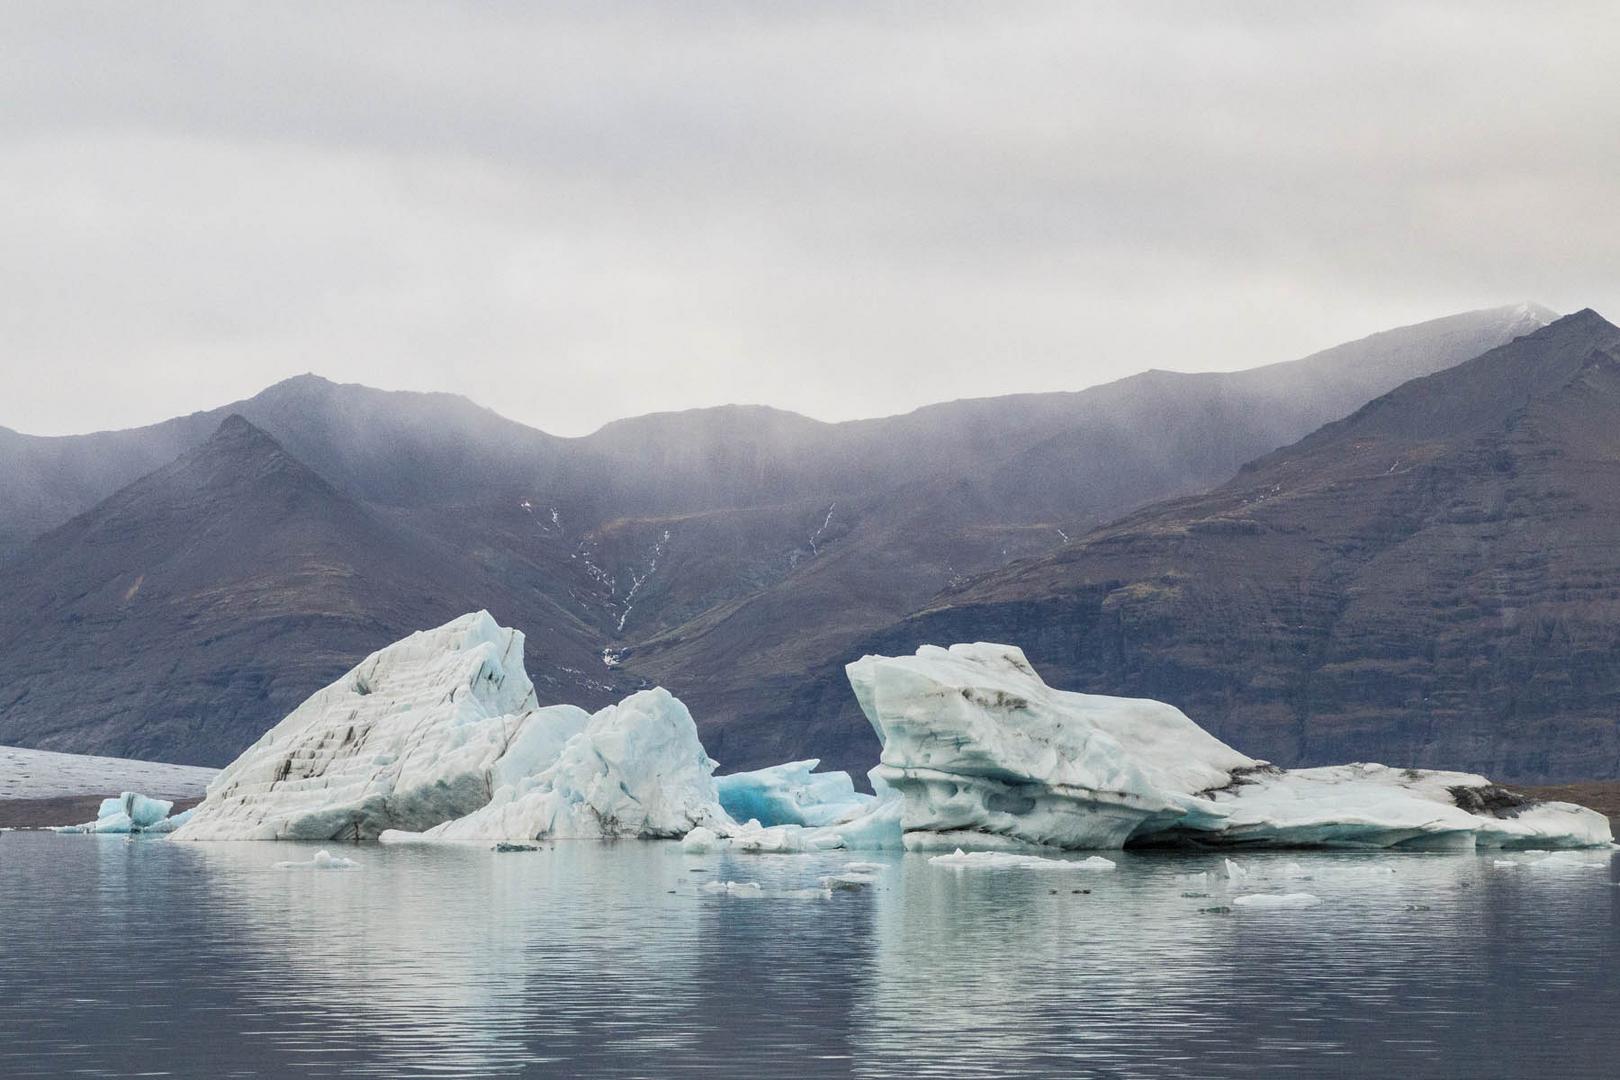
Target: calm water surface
124,958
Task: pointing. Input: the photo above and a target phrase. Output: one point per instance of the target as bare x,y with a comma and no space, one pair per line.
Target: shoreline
64,810
1600,795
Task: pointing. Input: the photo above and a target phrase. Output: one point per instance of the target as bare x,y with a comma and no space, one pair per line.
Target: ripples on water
123,958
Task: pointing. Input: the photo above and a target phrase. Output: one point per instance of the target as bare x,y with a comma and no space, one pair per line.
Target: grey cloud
578,212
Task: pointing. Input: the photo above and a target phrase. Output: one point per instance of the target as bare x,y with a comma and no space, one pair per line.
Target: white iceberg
438,738
632,770
413,736
791,794
985,755
1375,806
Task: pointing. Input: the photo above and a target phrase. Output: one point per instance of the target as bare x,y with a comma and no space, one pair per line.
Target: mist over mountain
176,617
1431,581
737,555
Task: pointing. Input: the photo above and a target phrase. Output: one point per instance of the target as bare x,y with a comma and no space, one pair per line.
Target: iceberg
413,736
131,812
985,756
438,738
792,794
632,770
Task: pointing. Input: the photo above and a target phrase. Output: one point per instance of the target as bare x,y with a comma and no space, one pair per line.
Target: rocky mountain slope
175,618
732,554
1431,581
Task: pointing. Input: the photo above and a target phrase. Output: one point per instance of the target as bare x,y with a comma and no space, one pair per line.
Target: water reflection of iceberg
1014,974
481,963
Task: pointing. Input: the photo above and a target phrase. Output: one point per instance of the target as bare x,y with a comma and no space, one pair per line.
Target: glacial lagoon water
146,957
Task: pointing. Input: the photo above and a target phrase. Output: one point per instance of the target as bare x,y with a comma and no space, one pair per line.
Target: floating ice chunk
875,829
1006,860
115,822
791,794
1277,900
753,837
1375,806
985,755
1234,871
1565,860
130,812
847,879
1508,864
145,812
701,840
745,890
170,823
322,860
864,867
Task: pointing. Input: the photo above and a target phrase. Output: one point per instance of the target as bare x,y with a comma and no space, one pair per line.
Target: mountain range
171,591
1431,581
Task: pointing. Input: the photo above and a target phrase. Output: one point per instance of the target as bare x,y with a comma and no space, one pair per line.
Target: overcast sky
575,213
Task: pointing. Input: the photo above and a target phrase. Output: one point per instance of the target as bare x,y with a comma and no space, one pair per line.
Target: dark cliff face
1429,582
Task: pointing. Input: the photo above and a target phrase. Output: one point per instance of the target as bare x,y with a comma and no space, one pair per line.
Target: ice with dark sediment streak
416,734
985,755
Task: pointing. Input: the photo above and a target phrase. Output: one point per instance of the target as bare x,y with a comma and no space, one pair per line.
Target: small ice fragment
848,881
745,890
804,894
1277,900
323,860
701,840
1563,860
1006,860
